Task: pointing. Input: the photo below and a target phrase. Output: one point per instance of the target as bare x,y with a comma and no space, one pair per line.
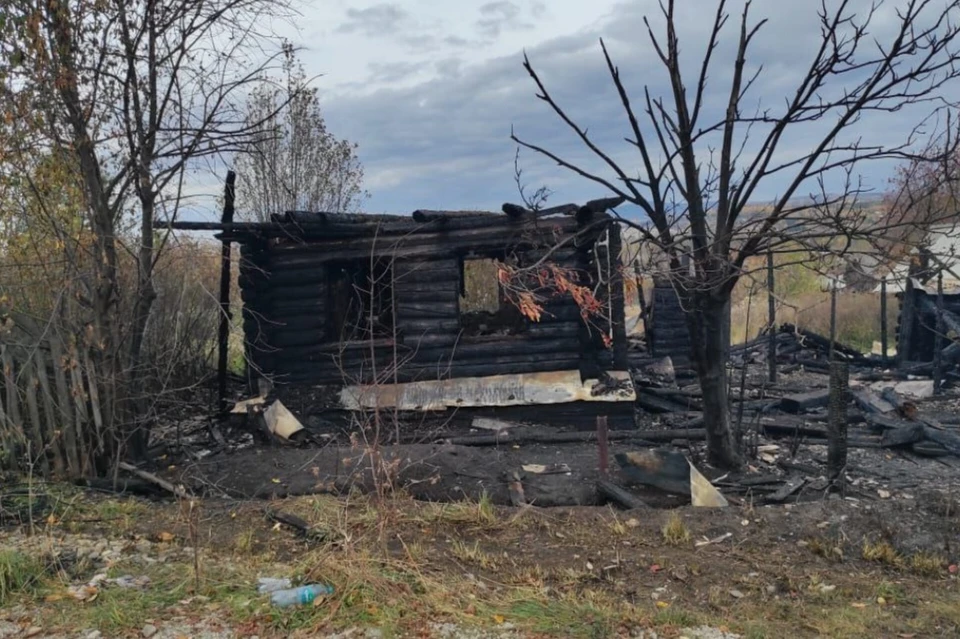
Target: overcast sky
430,89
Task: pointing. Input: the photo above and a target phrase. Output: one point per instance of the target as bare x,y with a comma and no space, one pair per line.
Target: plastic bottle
300,596
272,584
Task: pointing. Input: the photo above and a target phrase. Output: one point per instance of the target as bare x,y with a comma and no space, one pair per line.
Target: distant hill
756,209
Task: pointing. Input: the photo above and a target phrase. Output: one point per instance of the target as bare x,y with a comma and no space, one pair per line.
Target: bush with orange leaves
530,289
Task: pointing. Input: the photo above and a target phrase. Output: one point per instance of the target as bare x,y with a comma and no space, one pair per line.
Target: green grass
122,514
562,618
116,610
673,617
20,574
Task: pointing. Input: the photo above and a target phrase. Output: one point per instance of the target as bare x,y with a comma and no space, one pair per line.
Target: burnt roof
322,225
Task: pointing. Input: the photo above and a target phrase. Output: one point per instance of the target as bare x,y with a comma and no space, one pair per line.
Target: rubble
672,472
797,347
530,456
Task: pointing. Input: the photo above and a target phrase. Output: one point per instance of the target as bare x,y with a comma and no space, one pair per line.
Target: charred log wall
669,324
255,294
917,322
290,293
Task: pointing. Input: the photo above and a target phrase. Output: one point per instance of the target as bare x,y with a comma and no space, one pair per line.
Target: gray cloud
449,67
376,21
497,16
393,22
445,143
422,41
504,15
391,72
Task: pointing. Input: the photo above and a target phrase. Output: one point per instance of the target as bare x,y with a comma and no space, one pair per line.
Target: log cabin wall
917,322
670,336
310,318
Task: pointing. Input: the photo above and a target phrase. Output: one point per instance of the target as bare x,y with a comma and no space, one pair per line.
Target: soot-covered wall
391,299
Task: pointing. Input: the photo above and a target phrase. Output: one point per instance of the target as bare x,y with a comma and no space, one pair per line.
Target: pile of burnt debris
893,420
784,427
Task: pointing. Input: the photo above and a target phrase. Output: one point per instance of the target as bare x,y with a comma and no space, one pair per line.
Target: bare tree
296,164
924,201
138,93
697,174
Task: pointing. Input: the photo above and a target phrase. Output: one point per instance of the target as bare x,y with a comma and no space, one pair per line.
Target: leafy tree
134,95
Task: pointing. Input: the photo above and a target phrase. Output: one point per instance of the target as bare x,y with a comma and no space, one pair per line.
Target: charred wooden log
801,402
620,496
643,438
823,343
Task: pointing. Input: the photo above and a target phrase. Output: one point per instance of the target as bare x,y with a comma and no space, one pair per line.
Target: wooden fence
51,415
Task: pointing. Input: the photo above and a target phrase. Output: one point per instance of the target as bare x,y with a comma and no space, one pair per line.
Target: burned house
407,312
917,326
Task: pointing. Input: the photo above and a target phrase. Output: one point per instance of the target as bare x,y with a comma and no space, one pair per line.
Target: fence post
223,336
53,435
72,435
837,422
603,445
38,449
833,316
883,320
907,317
14,422
12,436
938,339
642,302
88,445
771,323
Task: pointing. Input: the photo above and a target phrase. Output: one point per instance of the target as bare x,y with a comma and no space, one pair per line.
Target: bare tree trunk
146,294
709,329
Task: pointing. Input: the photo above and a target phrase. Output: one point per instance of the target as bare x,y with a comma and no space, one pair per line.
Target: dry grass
481,285
858,317
675,532
831,549
397,563
881,552
471,553
481,513
926,564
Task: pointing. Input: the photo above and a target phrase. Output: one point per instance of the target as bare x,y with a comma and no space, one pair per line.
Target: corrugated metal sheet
556,387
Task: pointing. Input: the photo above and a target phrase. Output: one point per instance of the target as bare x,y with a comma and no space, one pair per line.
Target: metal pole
771,323
225,315
883,320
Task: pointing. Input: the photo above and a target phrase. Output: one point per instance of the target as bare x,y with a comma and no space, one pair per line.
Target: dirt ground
436,470
828,568
879,560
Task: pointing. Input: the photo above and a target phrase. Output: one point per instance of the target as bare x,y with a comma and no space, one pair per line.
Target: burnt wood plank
801,402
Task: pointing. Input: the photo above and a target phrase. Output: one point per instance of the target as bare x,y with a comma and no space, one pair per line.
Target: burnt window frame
517,325
335,323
